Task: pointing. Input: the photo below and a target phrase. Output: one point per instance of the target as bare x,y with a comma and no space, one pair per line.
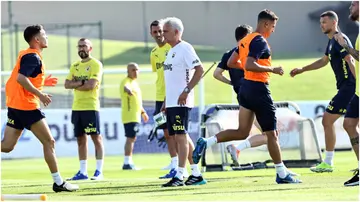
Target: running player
23,93
343,65
255,97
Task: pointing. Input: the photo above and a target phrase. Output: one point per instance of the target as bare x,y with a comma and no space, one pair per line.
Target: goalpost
298,139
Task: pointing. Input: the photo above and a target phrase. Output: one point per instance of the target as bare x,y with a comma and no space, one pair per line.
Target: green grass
316,85
144,185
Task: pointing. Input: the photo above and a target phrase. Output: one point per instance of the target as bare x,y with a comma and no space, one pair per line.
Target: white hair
175,23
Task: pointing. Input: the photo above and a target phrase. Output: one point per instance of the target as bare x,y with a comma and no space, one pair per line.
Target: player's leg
131,131
246,119
351,125
96,137
265,114
41,130
81,138
12,133
335,109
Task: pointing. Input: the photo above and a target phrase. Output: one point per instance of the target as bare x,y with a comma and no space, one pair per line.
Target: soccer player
23,93
85,79
343,65
230,61
255,97
157,58
131,112
183,70
351,121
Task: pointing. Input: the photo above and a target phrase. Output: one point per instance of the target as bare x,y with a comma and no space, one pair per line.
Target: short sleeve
223,63
96,71
30,65
191,58
257,47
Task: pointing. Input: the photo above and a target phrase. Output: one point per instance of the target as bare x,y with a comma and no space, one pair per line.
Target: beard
327,31
354,17
83,54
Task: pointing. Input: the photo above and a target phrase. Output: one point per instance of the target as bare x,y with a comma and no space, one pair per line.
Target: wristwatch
187,90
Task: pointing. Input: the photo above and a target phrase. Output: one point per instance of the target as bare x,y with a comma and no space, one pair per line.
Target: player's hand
278,70
340,39
145,117
50,81
182,99
45,99
296,71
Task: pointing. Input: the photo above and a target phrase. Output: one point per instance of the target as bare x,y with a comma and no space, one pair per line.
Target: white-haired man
183,71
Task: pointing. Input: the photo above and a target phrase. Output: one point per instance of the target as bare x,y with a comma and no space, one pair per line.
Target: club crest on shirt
173,55
88,68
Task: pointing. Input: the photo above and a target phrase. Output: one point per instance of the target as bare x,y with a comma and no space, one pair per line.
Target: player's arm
256,49
352,51
128,90
322,62
350,61
95,77
30,66
218,73
234,61
347,46
70,82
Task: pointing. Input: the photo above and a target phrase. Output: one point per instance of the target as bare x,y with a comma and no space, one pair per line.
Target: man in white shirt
183,70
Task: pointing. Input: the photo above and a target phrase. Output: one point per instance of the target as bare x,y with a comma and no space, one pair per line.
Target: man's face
84,49
133,72
327,25
42,39
169,33
157,34
354,11
269,27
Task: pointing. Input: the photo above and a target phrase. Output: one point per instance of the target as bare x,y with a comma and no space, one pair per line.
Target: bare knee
49,143
7,148
272,135
82,140
97,139
349,126
329,119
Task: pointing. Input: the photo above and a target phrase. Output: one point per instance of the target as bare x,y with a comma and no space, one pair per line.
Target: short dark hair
267,14
31,31
330,14
241,31
154,23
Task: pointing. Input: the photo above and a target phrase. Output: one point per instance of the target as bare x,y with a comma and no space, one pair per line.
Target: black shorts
131,129
20,119
177,120
237,91
341,100
85,122
256,97
352,110
158,106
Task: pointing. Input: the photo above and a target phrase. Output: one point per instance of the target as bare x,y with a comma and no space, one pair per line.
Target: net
297,139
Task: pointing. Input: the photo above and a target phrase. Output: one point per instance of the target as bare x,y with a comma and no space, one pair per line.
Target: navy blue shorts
177,120
256,97
237,91
352,110
158,106
341,100
85,122
20,119
131,129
